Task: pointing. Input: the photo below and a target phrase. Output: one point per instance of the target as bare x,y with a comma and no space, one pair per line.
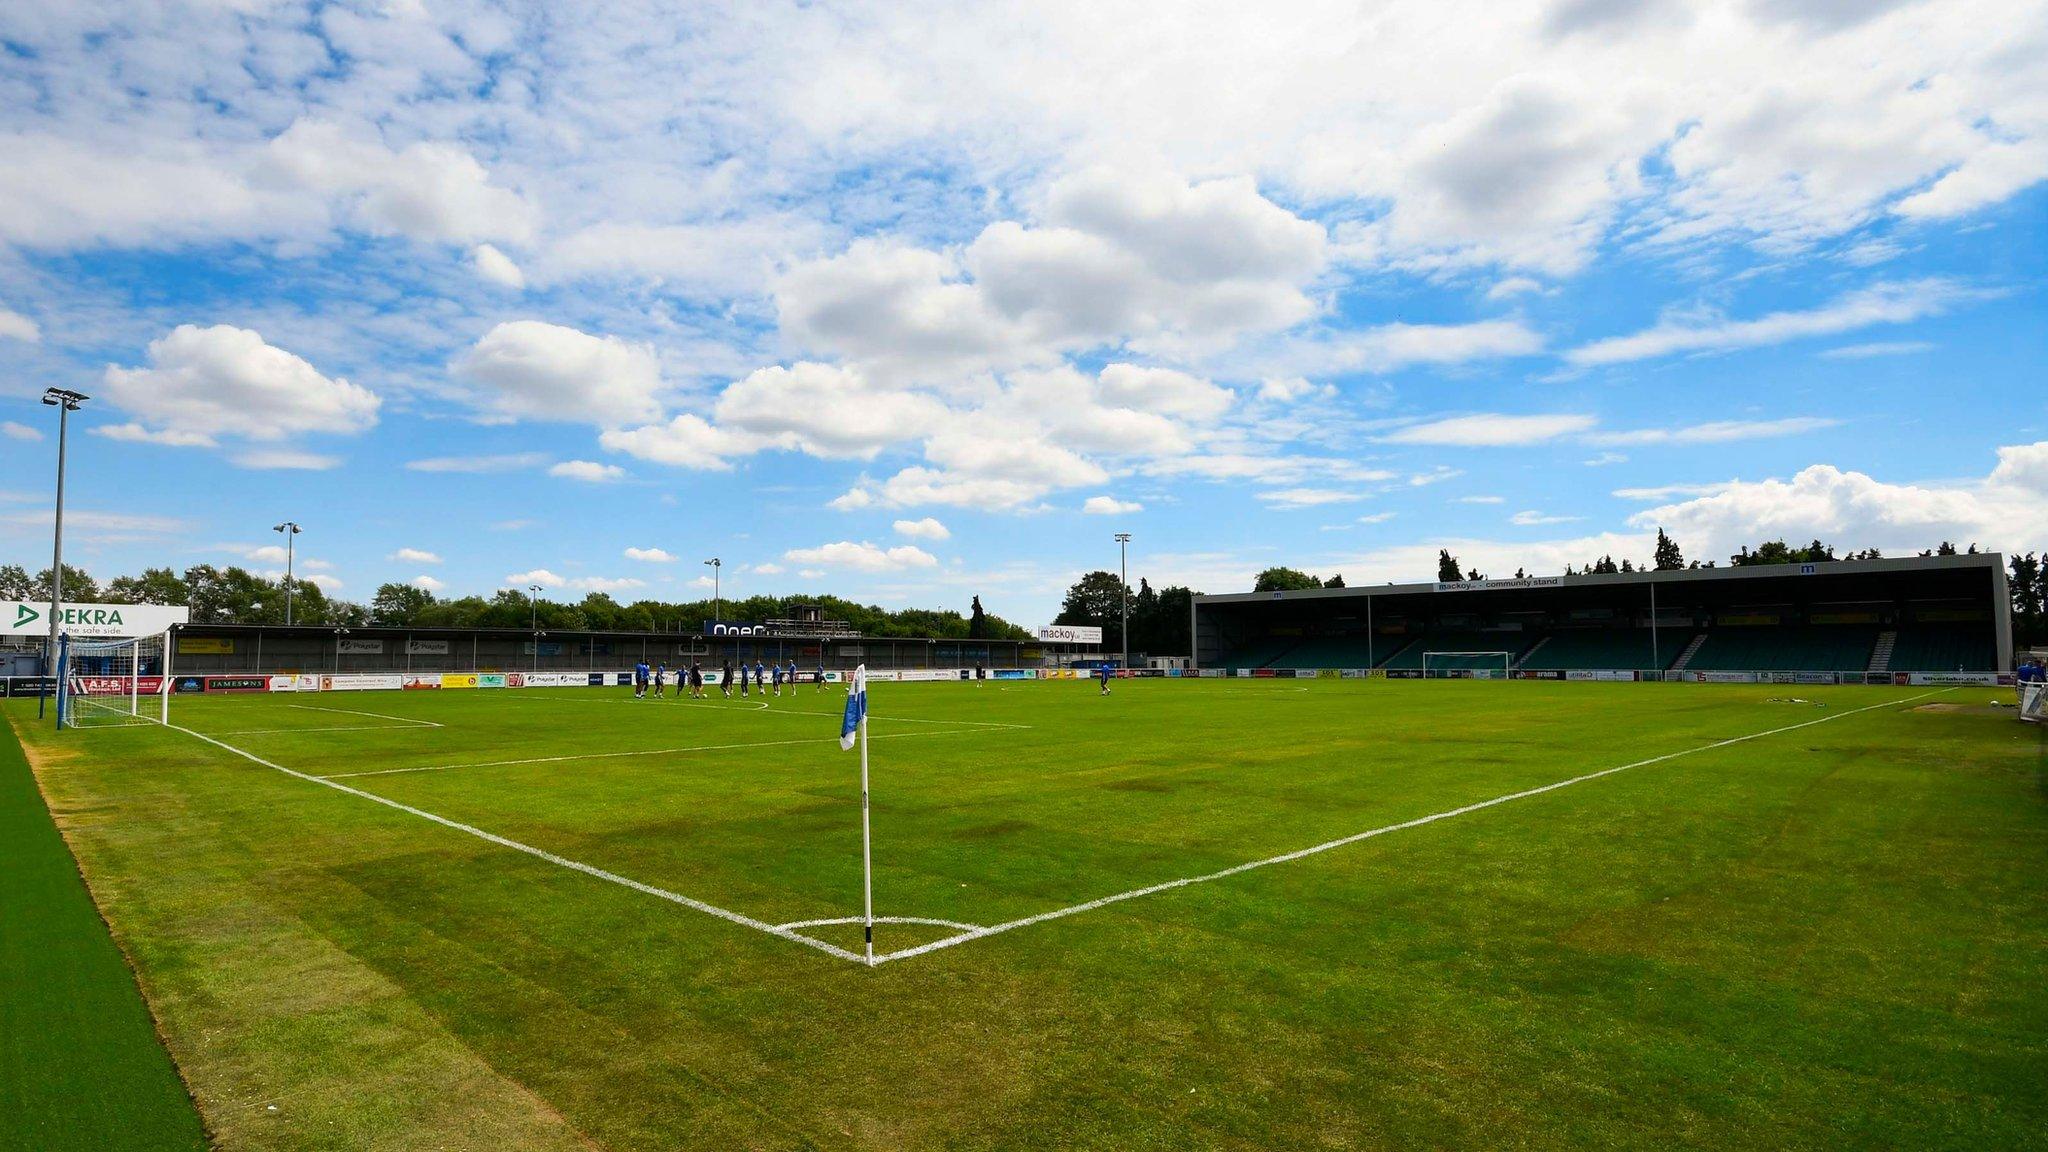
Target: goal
110,683
1466,665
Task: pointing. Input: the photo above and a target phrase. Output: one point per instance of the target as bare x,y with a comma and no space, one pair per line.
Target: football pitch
1201,914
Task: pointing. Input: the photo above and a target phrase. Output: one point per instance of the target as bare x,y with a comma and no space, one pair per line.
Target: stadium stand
1925,648
1785,649
1514,643
1329,652
1621,648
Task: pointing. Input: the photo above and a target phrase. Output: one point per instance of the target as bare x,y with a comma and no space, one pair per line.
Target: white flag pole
867,865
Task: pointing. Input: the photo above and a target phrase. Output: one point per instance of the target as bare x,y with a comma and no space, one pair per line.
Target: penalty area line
725,914
640,752
1329,845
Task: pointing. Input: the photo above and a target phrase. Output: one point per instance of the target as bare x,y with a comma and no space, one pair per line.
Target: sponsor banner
361,682
116,685
1541,674
1260,673
426,647
185,684
491,680
1404,673
1329,673
1956,679
28,685
1357,673
421,682
359,646
1719,677
1601,675
1069,634
734,628
23,618
283,684
205,646
549,680
305,682
1210,673
1801,678
237,684
458,679
1015,674
1280,673
1484,585
556,648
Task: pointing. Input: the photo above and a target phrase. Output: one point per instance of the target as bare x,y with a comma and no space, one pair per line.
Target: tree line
1161,620
234,595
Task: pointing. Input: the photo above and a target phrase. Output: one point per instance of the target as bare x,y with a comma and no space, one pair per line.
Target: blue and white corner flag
856,709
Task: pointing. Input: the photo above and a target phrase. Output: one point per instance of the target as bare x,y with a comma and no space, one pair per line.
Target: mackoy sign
26,618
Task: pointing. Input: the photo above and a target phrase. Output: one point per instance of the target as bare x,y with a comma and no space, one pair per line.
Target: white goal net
1466,665
107,683
2034,702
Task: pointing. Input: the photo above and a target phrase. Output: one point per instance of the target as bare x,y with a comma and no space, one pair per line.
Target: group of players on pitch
653,681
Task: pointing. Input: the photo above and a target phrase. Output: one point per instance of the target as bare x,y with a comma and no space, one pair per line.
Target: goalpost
113,683
1479,665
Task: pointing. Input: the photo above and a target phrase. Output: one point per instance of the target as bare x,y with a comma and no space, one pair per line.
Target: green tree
399,605
79,586
1095,599
15,583
1284,580
154,586
1336,581
1669,558
2027,584
1447,566
978,626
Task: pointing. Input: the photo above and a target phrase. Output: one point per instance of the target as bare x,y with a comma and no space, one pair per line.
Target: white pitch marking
543,854
882,920
342,728
371,715
763,706
642,752
980,933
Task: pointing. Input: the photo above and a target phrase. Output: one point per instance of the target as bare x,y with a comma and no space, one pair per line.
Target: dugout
1875,618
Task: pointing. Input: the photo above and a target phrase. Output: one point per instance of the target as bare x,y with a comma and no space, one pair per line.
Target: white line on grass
340,728
371,715
1133,894
763,707
543,854
642,752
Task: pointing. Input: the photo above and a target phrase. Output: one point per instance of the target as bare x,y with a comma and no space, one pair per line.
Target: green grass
80,1065
1831,937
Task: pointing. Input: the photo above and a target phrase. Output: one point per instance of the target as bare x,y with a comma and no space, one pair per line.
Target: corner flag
856,709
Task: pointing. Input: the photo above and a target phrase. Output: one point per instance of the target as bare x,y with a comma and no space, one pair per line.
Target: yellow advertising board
458,679
205,646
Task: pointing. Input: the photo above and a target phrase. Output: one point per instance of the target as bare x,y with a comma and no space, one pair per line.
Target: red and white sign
115,685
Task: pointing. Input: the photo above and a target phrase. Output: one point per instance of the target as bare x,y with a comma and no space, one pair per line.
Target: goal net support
2034,701
1464,665
111,683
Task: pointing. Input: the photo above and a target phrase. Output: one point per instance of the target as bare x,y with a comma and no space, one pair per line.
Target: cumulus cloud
650,555
14,431
1532,517
497,267
1491,430
501,462
1308,497
588,471
415,556
1110,506
530,369
826,410
15,326
687,441
924,529
549,579
428,583
204,383
285,459
426,190
863,557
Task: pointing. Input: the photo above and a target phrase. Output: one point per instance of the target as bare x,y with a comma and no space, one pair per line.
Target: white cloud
549,579
1110,506
203,383
504,462
496,267
1512,286
688,441
827,411
132,433
706,259
1377,517
1716,431
2008,509
770,569
917,486
588,471
1879,348
15,326
415,556
285,459
530,369
540,576
1526,519
1163,391
1667,491
429,584
1288,389
1482,500
1308,497
1490,430
1604,459
864,557
1885,303
326,583
1393,347
650,555
1989,176
14,431
426,190
924,529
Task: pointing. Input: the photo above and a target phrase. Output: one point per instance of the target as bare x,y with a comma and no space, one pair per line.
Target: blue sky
916,304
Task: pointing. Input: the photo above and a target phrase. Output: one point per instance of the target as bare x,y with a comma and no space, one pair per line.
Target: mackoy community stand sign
27,618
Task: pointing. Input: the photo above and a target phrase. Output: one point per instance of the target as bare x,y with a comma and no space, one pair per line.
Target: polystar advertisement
26,618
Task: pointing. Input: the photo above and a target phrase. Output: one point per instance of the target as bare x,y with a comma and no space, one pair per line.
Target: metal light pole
65,402
1123,590
715,564
291,531
533,620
